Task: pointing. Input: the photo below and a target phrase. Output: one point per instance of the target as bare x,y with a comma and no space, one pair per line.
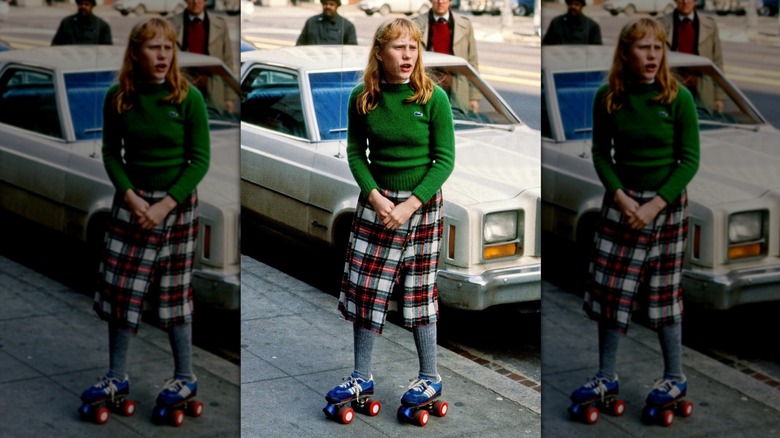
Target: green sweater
656,146
166,146
411,147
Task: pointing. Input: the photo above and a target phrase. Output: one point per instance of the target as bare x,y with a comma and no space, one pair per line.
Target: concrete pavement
52,346
296,346
727,402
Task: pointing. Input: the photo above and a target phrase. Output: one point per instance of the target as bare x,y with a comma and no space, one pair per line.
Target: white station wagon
733,252
295,176
51,169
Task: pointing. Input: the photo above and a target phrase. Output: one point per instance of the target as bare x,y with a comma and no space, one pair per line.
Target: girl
405,123
650,123
156,151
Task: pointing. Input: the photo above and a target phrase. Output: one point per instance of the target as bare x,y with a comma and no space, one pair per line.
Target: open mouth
161,68
406,67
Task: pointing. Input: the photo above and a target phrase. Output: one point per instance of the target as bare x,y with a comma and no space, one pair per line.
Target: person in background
328,28
687,31
446,32
197,31
573,27
83,27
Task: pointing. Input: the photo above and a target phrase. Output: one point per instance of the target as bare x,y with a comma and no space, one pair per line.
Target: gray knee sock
425,340
180,337
670,337
364,348
118,344
609,340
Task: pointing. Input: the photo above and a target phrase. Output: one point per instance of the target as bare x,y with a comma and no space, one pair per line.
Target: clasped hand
638,216
148,216
391,215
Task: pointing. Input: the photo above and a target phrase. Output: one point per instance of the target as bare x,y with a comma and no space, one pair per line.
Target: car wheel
369,13
630,10
124,13
140,10
521,11
477,13
764,11
614,12
722,13
384,10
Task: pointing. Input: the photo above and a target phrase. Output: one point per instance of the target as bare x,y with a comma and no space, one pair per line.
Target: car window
330,95
221,98
464,87
27,101
272,99
86,92
575,92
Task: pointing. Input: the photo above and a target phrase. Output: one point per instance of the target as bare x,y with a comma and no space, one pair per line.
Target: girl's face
155,57
644,58
398,58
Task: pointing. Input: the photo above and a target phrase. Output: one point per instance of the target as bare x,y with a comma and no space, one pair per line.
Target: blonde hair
419,80
130,73
632,32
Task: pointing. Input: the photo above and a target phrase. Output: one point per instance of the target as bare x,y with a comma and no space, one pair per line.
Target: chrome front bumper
721,292
502,286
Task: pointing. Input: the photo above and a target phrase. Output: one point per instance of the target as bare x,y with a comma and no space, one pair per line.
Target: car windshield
575,92
86,90
330,95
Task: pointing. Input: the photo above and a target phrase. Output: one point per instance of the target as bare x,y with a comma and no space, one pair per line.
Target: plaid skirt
626,261
135,261
378,258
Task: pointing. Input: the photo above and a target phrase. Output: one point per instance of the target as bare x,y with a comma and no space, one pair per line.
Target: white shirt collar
202,16
689,16
445,16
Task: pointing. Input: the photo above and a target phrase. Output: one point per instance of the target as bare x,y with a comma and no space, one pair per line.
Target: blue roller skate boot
176,399
666,398
108,394
422,399
357,392
596,395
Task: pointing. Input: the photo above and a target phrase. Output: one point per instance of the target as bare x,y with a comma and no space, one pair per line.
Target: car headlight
500,235
747,236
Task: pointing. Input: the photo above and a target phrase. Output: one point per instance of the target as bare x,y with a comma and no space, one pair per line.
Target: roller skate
421,400
109,394
597,395
176,399
664,400
356,392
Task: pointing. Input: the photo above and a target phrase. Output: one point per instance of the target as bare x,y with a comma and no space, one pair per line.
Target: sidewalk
727,402
296,347
52,346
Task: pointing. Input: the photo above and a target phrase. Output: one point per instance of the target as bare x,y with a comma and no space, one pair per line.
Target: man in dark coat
83,27
328,27
573,27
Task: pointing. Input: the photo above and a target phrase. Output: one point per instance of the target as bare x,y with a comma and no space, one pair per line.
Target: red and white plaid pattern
135,260
626,261
378,258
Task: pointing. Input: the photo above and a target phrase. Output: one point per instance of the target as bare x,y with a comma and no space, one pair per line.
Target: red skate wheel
591,415
345,415
421,417
618,408
102,415
440,408
196,409
685,409
373,407
128,408
177,417
667,418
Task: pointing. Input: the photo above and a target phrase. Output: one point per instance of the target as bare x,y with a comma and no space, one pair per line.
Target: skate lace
173,385
351,381
663,385
597,384
107,383
418,384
